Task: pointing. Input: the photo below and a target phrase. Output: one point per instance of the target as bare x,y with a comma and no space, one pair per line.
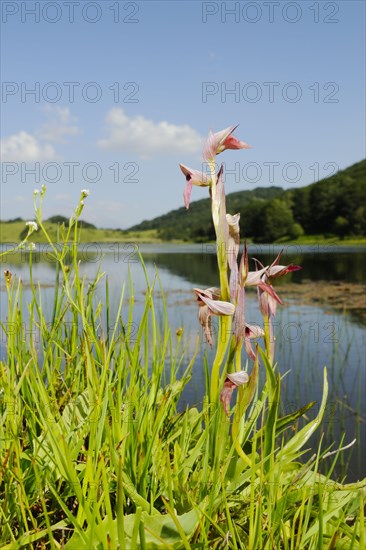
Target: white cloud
24,147
60,124
147,138
37,147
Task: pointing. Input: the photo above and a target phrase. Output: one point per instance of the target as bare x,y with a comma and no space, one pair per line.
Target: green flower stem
221,244
235,436
59,256
224,284
224,321
238,349
267,338
223,340
241,405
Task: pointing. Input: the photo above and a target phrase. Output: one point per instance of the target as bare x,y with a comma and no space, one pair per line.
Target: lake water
310,334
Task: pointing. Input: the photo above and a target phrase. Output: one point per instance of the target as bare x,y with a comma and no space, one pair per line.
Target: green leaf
285,421
270,428
271,378
247,392
161,532
300,438
33,536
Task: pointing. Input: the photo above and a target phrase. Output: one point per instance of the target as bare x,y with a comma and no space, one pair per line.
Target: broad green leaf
284,421
160,532
302,436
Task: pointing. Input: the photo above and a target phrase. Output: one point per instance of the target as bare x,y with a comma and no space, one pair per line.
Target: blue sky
149,79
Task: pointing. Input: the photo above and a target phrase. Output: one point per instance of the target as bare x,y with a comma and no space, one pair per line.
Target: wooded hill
332,206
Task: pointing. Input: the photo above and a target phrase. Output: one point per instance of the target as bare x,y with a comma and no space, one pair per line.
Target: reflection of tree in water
198,268
332,266
201,268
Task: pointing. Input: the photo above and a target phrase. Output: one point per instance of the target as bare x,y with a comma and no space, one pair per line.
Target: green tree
360,221
277,221
251,218
296,231
341,226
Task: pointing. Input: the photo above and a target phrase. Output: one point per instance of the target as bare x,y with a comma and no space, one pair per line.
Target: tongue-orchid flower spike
215,144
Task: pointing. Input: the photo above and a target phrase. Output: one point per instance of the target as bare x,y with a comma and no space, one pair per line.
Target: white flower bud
32,226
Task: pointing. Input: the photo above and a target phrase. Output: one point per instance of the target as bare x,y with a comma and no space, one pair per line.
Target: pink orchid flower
267,297
210,304
267,302
233,380
257,278
220,141
274,270
194,177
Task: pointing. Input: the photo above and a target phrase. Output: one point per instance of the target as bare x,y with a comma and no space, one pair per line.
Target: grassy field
325,239
10,233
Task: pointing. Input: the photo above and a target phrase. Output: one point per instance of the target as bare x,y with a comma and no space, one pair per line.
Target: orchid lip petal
204,317
249,349
187,194
225,395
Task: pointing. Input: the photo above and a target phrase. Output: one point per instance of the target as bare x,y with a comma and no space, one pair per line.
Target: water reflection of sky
307,337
